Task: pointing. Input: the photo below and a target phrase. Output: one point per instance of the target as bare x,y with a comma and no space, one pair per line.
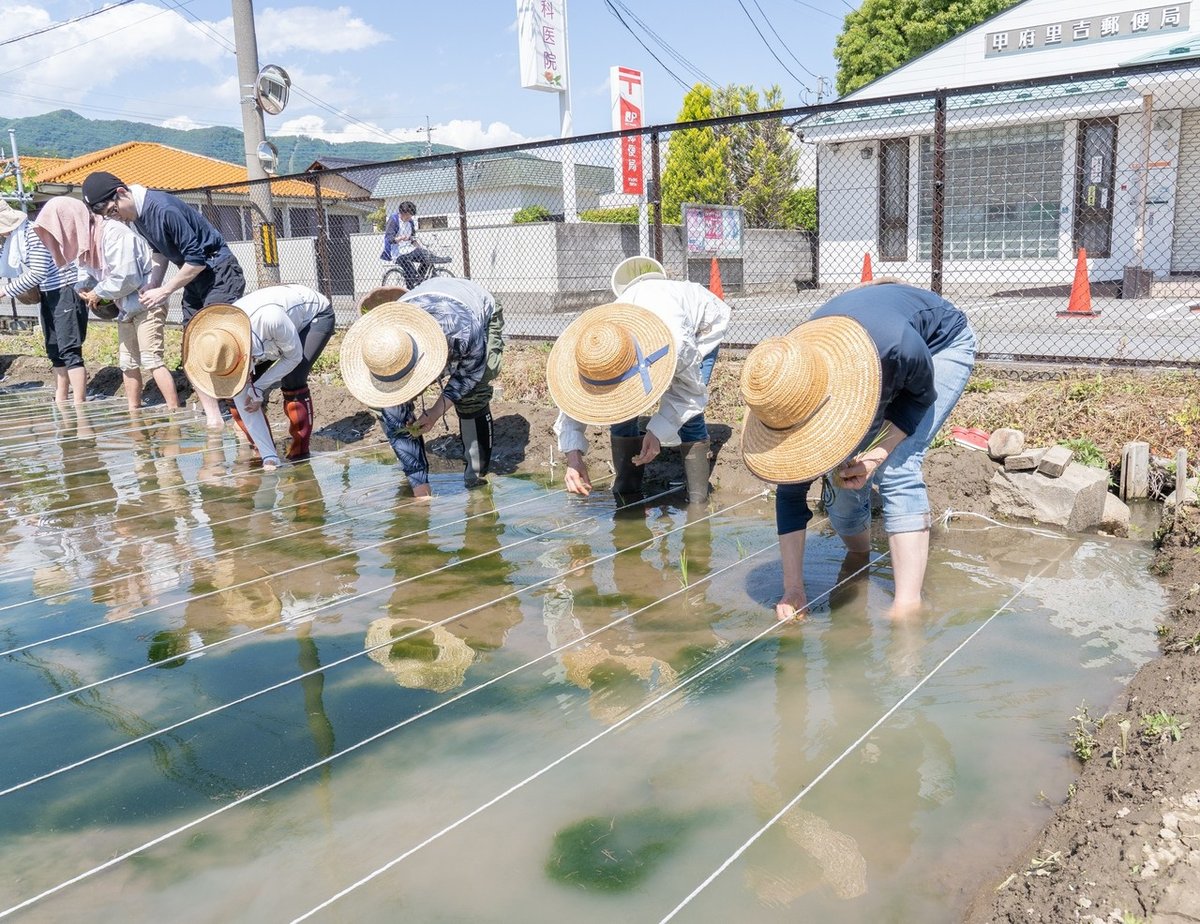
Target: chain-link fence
1063,215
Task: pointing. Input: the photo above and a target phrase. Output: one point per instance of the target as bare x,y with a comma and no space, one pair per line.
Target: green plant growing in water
1163,726
683,567
613,854
1084,741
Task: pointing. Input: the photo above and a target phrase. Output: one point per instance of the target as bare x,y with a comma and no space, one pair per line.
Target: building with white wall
1109,163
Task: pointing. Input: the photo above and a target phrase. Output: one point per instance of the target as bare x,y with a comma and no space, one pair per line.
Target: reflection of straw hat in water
434,659
585,668
392,354
812,395
216,350
611,364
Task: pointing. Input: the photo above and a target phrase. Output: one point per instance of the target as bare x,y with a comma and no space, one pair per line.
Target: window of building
1002,196
227,219
433,223
893,199
303,222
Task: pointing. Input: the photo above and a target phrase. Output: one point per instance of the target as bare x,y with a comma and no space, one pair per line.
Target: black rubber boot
627,486
696,467
476,433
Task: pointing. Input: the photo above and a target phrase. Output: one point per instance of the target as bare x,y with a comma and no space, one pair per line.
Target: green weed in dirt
1086,452
1083,742
980,386
1163,726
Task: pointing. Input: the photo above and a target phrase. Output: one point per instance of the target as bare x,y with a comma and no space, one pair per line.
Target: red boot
299,407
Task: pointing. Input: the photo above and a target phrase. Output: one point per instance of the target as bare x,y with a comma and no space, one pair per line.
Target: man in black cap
208,273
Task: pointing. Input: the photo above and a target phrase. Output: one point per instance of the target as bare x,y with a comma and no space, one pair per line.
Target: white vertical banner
628,106
542,37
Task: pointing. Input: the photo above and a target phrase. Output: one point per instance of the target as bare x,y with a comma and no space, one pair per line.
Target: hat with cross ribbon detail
611,364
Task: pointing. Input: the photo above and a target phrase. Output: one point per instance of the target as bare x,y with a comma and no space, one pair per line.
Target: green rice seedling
683,568
1163,726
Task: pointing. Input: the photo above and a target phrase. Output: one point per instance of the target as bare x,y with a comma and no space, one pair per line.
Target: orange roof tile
39,166
161,167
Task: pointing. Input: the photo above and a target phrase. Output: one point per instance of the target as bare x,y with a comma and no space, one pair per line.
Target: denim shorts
900,480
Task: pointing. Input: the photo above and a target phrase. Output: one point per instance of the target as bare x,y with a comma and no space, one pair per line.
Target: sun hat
216,350
422,656
612,363
631,268
10,218
106,310
392,354
381,296
811,395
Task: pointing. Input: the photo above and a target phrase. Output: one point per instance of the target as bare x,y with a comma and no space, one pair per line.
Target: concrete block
1055,461
1026,461
1005,442
1115,518
1074,501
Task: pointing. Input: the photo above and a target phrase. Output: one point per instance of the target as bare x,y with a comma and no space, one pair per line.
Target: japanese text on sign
1132,24
542,37
627,108
713,230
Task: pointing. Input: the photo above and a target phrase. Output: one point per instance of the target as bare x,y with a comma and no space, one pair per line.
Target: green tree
760,156
696,170
883,34
531,214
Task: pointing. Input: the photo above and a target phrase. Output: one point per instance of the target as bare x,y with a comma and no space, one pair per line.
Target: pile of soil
1124,845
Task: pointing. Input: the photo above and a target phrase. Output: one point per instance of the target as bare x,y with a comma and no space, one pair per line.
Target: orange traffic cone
1080,304
866,272
714,280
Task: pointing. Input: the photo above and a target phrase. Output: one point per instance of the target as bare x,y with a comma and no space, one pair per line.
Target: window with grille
893,199
1002,196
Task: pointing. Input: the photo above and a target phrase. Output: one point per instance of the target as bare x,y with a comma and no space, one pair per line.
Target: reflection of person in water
645,655
860,824
438,657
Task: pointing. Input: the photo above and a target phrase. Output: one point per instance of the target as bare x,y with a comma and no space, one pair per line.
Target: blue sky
389,65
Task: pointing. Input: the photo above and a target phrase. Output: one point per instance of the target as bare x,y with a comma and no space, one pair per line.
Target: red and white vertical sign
627,109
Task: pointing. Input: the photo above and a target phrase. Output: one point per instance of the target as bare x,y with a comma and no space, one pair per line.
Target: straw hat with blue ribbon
392,354
611,364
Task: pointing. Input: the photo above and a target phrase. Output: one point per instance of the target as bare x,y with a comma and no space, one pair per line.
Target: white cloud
311,28
471,134
184,123
459,133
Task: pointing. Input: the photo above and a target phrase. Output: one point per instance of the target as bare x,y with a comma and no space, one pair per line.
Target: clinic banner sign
628,107
542,34
713,230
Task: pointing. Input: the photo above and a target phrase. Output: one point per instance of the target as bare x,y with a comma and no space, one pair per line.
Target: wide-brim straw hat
611,364
381,296
812,395
633,268
216,350
447,668
10,218
392,354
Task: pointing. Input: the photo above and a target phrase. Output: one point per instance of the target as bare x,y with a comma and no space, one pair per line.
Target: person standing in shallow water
858,391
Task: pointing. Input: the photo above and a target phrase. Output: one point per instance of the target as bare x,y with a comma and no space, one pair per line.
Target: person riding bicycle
400,245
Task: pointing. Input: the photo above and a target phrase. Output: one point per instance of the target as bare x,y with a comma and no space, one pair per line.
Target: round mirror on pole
268,157
271,89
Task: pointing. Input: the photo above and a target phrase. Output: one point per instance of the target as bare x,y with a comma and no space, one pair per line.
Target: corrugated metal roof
1183,48
161,167
489,174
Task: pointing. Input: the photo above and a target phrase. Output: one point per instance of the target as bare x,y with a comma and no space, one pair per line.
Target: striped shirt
39,272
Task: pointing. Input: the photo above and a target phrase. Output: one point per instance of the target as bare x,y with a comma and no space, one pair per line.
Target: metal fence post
938,229
462,216
656,201
325,280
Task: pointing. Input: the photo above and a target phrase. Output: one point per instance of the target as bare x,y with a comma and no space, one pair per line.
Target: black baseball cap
100,186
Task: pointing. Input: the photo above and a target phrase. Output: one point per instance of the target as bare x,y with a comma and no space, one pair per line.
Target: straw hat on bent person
216,350
392,354
611,364
812,395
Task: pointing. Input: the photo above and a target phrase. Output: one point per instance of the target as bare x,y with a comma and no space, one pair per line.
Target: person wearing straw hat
27,269
397,349
287,319
656,345
115,262
219,355
207,271
860,391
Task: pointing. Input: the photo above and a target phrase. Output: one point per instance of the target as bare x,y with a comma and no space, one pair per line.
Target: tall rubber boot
627,486
299,409
476,433
696,468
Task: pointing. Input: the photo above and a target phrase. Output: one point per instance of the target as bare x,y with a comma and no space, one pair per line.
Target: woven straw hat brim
381,296
446,671
431,346
217,317
805,452
630,269
610,404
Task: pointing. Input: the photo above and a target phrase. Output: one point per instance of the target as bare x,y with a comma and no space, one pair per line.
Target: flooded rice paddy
237,696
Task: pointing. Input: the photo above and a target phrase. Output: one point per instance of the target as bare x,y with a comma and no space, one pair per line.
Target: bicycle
399,275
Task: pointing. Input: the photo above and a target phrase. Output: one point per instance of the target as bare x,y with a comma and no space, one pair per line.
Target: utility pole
428,130
254,133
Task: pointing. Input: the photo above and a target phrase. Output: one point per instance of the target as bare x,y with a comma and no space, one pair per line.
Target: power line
612,9
824,12
666,46
769,48
767,20
65,22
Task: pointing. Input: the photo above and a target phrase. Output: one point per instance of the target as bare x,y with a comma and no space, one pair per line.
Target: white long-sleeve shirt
130,261
697,320
277,315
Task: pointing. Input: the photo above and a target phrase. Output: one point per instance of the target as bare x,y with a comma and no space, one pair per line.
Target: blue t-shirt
908,326
179,232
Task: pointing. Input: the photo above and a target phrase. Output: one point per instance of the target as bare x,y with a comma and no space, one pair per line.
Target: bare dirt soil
1124,845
